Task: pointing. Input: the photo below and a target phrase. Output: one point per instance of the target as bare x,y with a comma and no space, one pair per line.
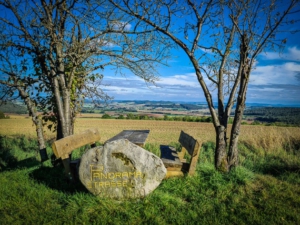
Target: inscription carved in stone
121,169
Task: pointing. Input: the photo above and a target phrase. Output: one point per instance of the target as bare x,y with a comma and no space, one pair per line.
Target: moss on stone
122,157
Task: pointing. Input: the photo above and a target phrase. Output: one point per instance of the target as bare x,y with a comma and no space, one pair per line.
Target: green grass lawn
264,189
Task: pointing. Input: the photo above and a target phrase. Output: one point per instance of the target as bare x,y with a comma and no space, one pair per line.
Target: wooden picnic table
137,137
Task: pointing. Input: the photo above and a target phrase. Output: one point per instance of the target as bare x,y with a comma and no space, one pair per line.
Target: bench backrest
63,147
191,146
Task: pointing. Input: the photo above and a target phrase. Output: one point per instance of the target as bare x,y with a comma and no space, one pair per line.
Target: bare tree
222,39
67,44
12,68
258,28
60,48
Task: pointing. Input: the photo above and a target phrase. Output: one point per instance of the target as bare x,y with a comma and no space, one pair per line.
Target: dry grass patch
265,138
271,139
162,132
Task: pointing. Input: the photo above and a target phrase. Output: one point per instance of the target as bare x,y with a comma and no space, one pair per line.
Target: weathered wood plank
137,137
188,142
169,157
173,168
174,161
181,154
63,147
194,158
174,174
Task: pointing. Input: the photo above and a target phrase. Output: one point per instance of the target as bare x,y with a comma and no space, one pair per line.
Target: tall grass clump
154,148
271,139
275,152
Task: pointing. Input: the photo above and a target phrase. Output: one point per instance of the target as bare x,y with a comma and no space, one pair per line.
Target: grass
264,189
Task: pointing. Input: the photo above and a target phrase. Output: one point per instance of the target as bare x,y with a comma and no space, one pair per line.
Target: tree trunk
73,118
220,152
240,105
38,123
60,108
221,144
67,111
40,134
233,145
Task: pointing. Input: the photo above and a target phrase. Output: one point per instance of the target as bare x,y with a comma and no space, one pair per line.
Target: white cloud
128,26
275,74
268,83
292,54
181,80
120,25
178,87
286,94
120,90
292,67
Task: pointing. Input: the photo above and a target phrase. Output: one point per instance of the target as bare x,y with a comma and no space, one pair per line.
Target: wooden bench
62,148
137,137
175,162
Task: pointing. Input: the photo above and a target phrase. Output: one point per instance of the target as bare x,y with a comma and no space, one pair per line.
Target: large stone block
121,169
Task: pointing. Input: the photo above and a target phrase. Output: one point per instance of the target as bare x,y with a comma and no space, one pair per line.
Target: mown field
263,189
162,132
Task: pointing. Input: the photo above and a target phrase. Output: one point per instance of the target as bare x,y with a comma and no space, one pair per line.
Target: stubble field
269,138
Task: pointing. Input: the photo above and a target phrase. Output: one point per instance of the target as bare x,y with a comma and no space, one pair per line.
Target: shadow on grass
12,163
279,169
54,178
28,163
274,164
13,148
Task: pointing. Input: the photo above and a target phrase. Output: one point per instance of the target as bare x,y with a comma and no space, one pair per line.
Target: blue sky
275,79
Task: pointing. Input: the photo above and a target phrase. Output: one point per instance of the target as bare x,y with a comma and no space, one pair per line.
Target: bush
144,117
208,119
130,116
178,118
106,116
3,116
255,122
121,117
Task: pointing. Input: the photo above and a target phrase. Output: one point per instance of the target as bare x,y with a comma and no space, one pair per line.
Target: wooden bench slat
174,161
188,142
170,157
63,147
194,159
173,168
137,137
174,174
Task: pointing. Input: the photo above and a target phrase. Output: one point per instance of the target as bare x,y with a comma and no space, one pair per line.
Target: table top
137,137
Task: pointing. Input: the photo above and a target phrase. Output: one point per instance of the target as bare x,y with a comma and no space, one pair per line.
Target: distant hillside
175,106
10,107
288,115
145,102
